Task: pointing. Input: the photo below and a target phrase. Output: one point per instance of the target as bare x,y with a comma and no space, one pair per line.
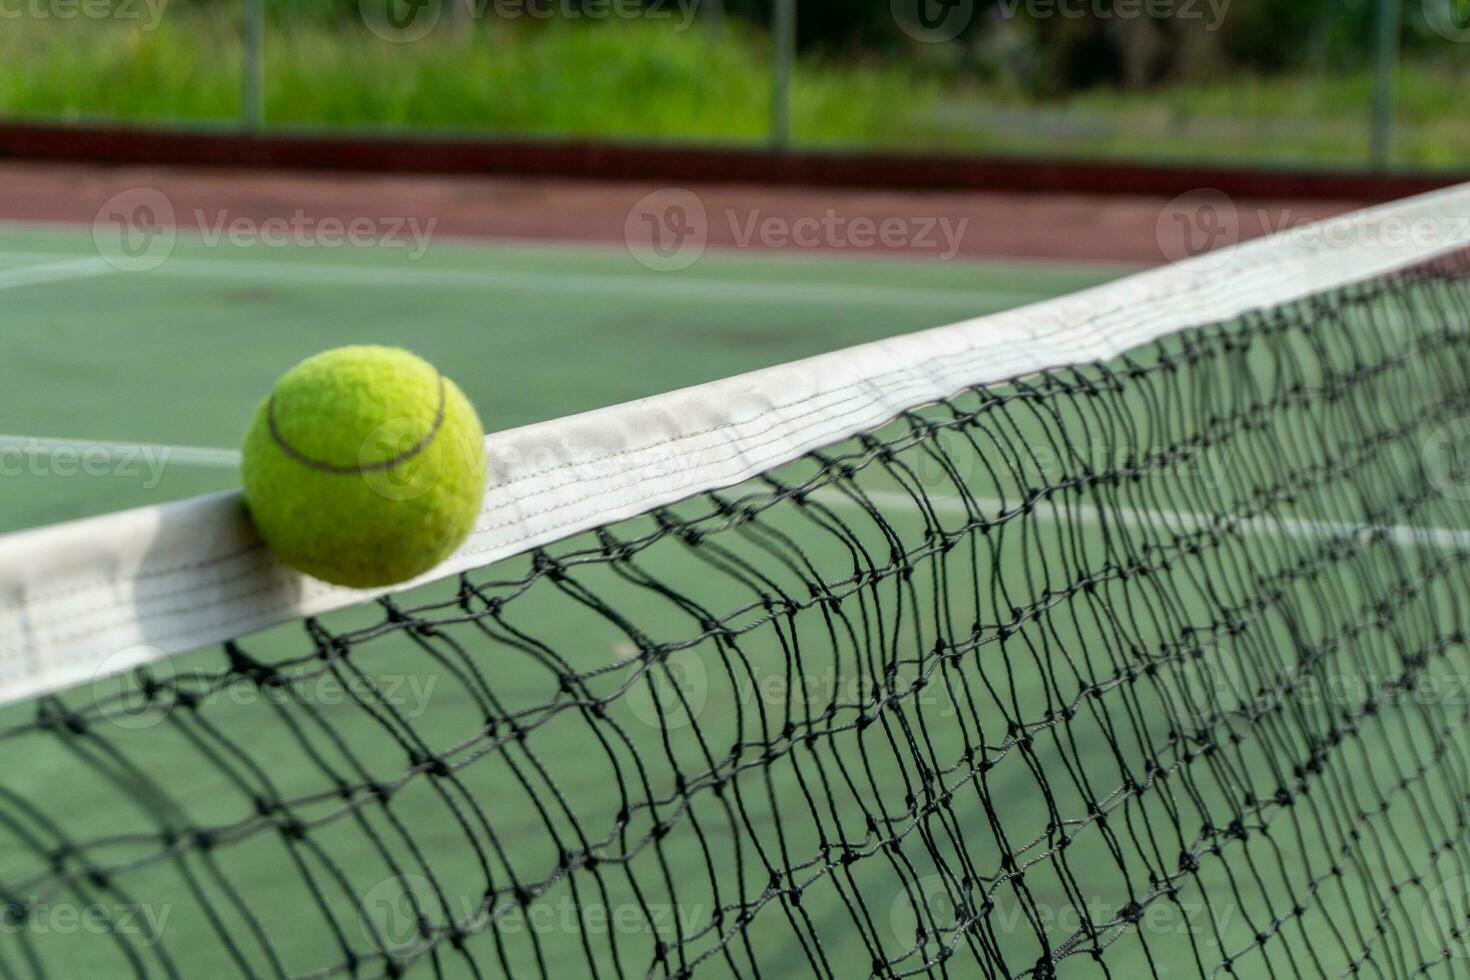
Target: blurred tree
712,13
1092,45
1200,52
838,25
1144,49
1274,35
1077,53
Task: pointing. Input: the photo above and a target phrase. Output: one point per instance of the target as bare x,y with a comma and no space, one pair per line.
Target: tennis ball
365,467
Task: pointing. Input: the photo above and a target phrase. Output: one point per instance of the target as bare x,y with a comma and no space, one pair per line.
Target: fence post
783,42
252,96
1385,81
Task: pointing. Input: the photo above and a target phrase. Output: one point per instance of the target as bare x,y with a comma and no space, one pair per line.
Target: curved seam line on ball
386,464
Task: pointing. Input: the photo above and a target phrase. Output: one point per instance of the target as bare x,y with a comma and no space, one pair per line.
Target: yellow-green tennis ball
365,467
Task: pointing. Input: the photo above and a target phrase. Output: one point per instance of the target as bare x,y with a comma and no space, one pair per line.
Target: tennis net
1144,660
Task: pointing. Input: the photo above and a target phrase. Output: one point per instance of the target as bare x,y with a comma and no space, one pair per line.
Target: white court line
612,247
1292,527
30,275
652,284
121,451
552,283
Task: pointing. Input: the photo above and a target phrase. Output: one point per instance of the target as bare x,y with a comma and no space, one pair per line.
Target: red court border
673,162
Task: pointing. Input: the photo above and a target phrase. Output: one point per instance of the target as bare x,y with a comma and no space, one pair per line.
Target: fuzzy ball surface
365,467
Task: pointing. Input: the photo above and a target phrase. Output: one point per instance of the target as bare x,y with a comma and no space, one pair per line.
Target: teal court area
962,694
146,365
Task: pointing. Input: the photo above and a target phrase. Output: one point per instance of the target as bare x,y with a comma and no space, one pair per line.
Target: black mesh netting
1152,668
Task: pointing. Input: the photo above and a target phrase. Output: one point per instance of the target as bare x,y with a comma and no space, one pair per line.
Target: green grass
647,80
607,80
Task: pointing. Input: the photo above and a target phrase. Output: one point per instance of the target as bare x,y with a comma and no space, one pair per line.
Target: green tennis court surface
152,365
975,691
178,356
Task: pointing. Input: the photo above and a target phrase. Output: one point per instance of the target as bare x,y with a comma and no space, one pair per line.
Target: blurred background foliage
1284,81
1089,45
